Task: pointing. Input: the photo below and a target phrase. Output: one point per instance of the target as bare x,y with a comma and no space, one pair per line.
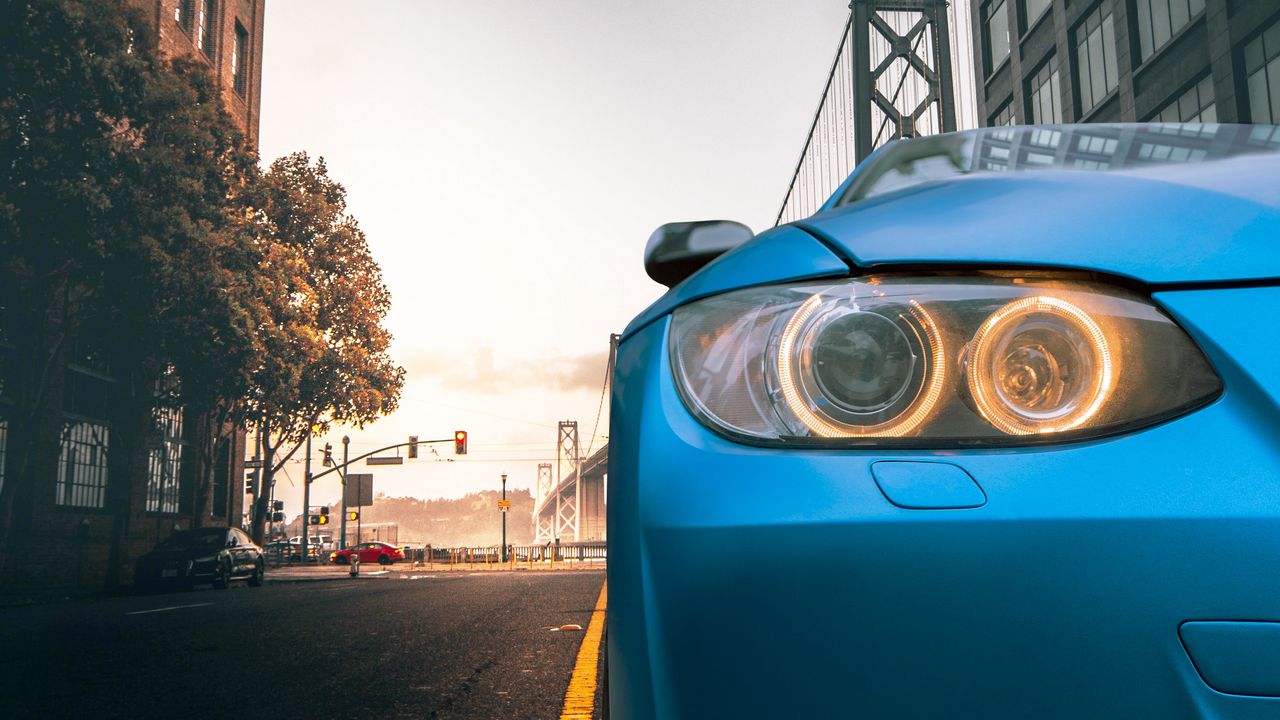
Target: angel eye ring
850,370
1040,365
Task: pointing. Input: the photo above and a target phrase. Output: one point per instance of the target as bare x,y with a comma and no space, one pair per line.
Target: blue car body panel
758,582
1173,229
1071,581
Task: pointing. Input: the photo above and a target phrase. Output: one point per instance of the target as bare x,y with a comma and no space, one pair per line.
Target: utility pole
346,445
306,498
504,517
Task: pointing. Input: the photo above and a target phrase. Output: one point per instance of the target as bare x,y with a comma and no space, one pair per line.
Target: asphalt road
434,645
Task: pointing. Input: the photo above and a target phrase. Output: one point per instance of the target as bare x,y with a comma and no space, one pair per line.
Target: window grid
182,13
995,25
1096,71
1262,70
239,69
204,38
1032,10
165,462
1046,107
1159,20
1193,106
82,465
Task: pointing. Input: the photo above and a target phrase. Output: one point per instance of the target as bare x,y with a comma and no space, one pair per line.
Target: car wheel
255,580
341,560
222,580
384,560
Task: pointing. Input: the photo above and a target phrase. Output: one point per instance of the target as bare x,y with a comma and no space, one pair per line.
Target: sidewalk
319,572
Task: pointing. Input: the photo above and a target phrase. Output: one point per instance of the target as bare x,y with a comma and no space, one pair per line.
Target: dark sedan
215,555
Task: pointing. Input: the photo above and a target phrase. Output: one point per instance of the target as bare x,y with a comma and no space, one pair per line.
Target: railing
518,556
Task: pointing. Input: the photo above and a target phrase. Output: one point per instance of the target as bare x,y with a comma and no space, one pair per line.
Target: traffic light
248,486
277,505
413,446
313,519
324,519
353,515
277,517
460,442
328,454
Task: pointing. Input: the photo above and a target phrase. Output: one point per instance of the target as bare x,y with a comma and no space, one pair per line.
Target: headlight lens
937,361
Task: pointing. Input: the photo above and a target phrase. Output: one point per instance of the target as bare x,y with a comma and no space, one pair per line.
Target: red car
378,552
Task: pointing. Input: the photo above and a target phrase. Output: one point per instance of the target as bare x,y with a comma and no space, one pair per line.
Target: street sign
504,504
253,464
359,490
384,461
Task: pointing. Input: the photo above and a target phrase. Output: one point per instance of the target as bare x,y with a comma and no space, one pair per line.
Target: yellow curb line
580,698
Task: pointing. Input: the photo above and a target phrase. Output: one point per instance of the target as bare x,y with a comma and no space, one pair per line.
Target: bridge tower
892,77
902,71
568,460
544,524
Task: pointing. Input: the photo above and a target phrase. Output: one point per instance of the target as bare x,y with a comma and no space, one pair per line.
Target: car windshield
1093,148
196,538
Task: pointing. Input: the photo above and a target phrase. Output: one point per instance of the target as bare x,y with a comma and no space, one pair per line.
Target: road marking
167,609
580,698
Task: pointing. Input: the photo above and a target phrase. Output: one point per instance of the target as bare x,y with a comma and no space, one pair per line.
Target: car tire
384,560
341,560
259,572
222,579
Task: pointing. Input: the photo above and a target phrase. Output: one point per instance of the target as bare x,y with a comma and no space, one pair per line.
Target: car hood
1196,223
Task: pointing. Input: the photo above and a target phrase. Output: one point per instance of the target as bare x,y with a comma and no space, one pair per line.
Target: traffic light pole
306,499
504,518
346,446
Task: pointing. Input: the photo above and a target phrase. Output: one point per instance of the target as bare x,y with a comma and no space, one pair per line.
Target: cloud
481,371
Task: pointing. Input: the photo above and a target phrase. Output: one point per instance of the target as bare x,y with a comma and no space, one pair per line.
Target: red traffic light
460,442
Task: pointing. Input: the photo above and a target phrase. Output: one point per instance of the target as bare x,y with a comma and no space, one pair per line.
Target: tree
325,355
124,227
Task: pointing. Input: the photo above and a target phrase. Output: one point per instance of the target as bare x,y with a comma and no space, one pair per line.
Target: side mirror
677,250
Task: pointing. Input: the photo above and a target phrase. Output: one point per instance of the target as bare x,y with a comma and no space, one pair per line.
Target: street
404,645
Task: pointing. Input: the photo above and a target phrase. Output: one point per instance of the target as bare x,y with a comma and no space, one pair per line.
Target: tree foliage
134,220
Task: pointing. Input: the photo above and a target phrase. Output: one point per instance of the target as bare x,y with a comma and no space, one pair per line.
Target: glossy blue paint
776,255
1239,658
757,582
754,582
1218,225
927,485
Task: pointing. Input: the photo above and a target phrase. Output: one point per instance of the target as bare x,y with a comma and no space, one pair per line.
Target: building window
1032,10
1042,94
1159,20
1193,106
1262,68
221,479
182,14
239,64
164,447
995,29
1096,71
82,465
205,31
1003,117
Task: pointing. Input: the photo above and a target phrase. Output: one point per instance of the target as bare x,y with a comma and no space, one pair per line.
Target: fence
575,555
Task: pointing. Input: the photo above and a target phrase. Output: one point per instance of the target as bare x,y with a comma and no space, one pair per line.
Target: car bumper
759,582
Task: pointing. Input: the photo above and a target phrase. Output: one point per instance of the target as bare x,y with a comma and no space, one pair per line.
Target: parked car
991,435
369,552
215,555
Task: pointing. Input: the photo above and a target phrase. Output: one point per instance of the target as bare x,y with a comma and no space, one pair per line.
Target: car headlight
934,362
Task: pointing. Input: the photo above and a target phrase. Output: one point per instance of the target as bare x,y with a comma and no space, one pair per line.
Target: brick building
91,519
1064,61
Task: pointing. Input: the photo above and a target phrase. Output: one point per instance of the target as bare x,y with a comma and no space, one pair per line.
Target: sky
507,161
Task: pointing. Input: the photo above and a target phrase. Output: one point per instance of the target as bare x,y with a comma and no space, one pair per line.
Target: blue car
994,434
